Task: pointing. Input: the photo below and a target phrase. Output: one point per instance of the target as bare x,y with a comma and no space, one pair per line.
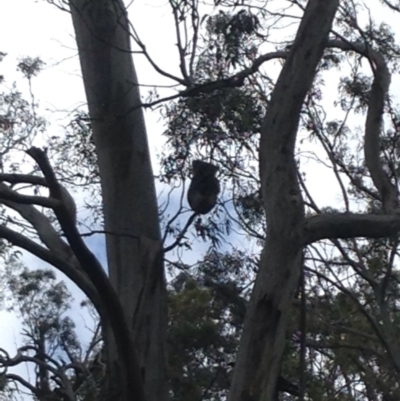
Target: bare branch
379,90
42,253
181,234
23,179
234,81
181,48
45,230
7,194
349,225
16,378
391,5
111,310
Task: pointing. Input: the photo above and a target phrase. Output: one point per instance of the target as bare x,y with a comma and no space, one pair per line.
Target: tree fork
262,342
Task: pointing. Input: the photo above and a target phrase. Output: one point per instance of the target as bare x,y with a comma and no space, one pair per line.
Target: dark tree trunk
134,248
262,343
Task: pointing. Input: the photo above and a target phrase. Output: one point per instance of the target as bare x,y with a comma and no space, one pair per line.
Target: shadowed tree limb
94,270
350,225
262,342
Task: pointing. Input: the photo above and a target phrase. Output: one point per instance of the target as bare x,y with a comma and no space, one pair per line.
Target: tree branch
181,234
349,225
8,194
42,253
111,310
380,87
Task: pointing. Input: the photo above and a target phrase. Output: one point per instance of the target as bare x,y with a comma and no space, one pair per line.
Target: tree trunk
133,239
259,358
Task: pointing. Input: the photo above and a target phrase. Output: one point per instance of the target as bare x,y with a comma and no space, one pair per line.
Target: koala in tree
204,188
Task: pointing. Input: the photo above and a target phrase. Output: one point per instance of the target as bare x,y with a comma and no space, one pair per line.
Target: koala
204,187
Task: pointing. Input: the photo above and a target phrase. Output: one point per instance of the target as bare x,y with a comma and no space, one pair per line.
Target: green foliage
200,347
76,151
231,31
30,67
206,312
51,347
42,303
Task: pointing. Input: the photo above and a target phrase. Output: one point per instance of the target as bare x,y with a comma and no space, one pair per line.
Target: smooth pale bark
258,362
133,237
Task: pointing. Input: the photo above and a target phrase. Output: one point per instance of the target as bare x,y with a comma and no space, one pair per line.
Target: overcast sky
35,28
